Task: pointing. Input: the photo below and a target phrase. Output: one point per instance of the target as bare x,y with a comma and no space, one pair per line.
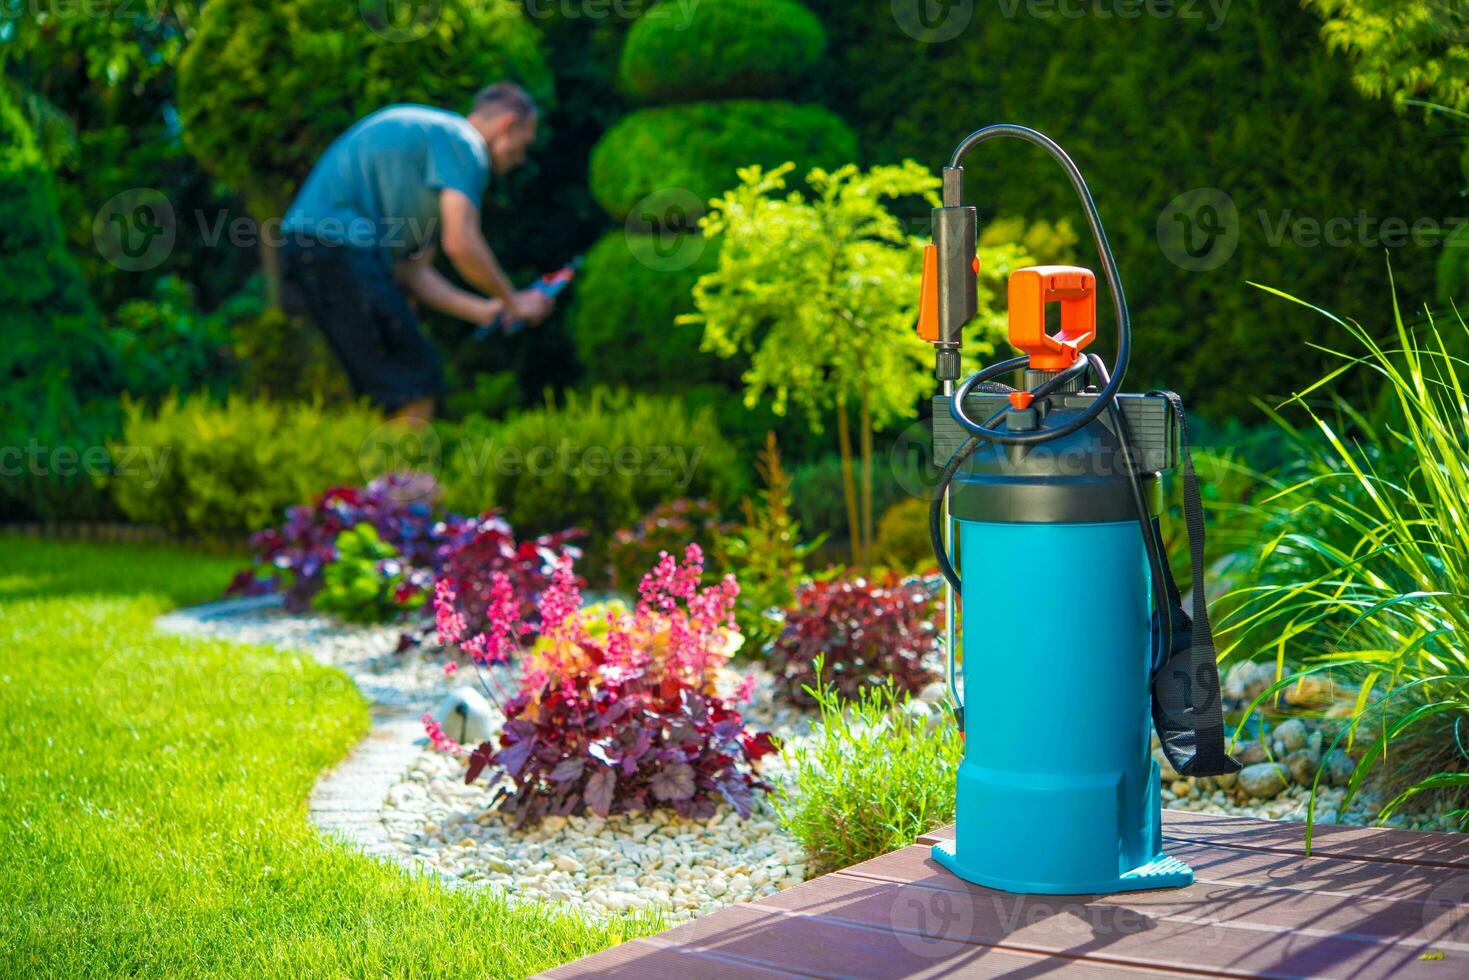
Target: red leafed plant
619,715
488,548
867,631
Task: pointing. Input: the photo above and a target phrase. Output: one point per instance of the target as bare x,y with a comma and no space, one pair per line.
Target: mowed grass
152,799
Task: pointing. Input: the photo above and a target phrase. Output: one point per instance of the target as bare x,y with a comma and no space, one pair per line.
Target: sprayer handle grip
1031,288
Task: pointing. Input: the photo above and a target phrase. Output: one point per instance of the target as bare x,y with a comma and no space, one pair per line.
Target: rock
1250,753
466,716
1303,764
499,864
716,887
936,692
1247,681
1225,780
1263,780
1310,691
1292,734
553,825
567,863
1339,768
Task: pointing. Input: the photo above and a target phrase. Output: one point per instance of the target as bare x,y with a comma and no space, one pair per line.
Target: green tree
98,86
265,85
820,292
54,359
1402,49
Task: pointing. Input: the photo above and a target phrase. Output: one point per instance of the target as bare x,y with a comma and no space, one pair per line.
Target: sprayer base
1161,872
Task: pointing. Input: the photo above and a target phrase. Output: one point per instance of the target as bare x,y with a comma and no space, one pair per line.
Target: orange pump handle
1030,290
928,294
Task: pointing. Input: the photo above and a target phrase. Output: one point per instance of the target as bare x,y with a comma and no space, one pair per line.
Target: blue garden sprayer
1045,523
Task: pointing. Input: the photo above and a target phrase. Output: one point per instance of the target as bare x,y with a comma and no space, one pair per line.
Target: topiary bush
695,150
56,369
597,461
721,48
225,469
265,86
622,317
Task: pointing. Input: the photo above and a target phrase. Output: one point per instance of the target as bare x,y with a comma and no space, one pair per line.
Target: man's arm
419,277
465,245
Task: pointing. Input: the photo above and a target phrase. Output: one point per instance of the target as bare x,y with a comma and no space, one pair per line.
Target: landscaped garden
646,620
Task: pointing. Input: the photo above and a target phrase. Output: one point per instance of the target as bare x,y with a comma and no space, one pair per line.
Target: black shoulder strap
1186,709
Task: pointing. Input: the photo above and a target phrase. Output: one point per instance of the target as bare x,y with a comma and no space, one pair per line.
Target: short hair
504,97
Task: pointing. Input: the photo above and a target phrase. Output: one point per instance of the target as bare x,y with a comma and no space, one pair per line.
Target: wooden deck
1366,903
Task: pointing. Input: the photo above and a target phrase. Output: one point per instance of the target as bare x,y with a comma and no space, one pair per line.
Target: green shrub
903,541
720,49
226,469
876,773
816,490
57,372
695,150
367,582
164,343
598,461
265,86
766,553
622,314
286,357
1300,115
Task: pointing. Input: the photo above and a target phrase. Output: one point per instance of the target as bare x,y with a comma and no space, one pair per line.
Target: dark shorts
352,297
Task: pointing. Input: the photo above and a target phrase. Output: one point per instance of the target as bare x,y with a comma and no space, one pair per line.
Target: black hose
1111,383
946,475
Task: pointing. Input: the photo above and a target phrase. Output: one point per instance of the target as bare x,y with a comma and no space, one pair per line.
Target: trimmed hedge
232,468
265,85
722,49
692,151
599,461
1150,108
55,365
622,316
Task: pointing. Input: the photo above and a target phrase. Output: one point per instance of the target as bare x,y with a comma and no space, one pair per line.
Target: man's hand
530,305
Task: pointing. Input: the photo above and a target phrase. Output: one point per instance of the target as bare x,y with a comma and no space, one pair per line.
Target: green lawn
152,798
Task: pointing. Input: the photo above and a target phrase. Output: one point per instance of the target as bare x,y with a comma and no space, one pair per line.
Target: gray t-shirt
378,184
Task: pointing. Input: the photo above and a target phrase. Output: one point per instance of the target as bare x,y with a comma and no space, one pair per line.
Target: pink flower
437,738
449,668
746,689
447,618
560,604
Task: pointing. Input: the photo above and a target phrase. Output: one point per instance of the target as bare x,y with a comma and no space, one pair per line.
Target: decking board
1363,903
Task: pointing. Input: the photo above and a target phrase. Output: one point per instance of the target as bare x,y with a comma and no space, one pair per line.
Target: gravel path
397,799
